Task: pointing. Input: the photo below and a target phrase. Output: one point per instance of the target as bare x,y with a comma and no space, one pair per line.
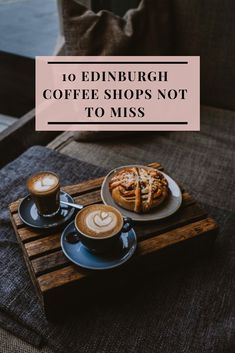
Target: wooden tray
188,232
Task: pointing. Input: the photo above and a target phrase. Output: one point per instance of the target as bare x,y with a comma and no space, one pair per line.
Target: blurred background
28,27
31,27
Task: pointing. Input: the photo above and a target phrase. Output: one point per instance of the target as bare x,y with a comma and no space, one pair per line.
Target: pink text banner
118,93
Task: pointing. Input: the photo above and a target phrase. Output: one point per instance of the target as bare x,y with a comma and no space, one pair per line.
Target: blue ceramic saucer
81,256
29,215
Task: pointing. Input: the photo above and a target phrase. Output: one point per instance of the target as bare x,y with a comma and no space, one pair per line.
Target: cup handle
73,237
128,225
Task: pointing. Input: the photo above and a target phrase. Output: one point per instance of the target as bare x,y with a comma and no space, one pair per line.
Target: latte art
45,183
100,222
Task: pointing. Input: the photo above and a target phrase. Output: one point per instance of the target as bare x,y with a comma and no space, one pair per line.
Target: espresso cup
44,188
99,227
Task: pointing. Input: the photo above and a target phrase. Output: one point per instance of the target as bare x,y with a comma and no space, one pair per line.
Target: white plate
166,209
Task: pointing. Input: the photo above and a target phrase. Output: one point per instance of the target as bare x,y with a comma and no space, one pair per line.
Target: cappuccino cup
44,188
99,227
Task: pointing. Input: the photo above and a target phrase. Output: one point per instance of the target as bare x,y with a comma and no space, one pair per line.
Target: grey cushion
203,161
178,27
206,28
13,344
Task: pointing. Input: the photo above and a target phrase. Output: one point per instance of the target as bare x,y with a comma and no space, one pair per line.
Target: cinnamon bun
138,189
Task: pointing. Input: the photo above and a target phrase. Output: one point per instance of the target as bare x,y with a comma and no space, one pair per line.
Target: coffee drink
99,228
44,188
99,221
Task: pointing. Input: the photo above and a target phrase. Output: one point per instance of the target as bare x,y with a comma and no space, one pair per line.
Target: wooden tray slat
89,198
44,245
79,189
175,236
184,216
49,263
17,220
61,277
27,234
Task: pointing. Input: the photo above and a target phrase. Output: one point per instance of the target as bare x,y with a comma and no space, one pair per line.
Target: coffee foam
99,221
43,182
